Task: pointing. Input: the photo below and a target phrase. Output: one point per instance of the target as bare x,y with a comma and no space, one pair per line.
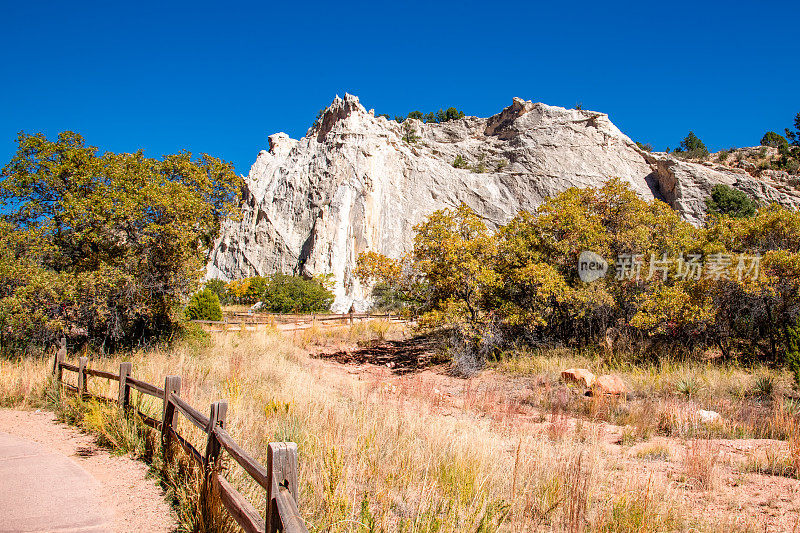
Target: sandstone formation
354,183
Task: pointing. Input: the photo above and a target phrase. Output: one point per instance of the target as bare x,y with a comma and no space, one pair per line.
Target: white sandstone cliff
353,184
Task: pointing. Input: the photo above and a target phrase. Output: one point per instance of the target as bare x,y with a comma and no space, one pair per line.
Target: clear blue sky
220,77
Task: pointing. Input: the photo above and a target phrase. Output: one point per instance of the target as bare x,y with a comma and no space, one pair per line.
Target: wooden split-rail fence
239,320
278,478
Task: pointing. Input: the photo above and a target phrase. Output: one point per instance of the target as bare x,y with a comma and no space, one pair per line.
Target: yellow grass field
382,452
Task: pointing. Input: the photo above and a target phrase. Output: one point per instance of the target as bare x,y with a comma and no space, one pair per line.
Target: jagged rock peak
339,110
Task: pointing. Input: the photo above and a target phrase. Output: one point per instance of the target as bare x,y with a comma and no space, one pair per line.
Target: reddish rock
580,376
610,384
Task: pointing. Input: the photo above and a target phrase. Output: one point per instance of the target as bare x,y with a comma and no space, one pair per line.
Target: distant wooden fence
239,320
279,478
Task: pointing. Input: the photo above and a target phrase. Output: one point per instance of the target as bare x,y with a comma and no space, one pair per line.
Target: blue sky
220,77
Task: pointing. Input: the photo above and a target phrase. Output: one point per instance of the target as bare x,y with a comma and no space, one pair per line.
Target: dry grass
700,464
376,458
666,394
358,332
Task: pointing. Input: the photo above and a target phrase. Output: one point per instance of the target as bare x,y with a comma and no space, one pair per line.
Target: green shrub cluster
692,147
441,116
204,305
731,202
279,293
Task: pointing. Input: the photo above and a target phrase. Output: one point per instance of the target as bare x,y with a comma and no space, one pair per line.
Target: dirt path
128,500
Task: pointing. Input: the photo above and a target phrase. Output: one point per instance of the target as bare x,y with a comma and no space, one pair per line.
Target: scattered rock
581,376
610,384
707,417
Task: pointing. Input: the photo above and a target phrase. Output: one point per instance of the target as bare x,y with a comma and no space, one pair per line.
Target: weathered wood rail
278,478
243,319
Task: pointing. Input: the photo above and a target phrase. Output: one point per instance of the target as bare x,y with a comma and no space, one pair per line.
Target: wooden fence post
172,385
211,459
60,356
124,396
82,363
282,471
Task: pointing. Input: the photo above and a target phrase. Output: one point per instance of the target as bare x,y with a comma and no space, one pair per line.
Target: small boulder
580,376
610,384
707,417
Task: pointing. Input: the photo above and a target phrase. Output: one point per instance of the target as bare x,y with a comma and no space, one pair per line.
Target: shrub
460,162
103,246
774,140
451,114
204,305
728,201
793,352
647,147
287,294
692,147
218,287
409,133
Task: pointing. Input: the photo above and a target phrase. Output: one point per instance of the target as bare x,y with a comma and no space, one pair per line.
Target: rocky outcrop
352,184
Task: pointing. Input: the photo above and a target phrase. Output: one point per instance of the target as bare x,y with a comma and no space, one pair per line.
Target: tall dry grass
373,458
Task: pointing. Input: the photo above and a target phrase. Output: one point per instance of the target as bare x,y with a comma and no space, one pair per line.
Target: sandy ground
134,501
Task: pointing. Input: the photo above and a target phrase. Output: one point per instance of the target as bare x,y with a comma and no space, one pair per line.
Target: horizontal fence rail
259,319
278,478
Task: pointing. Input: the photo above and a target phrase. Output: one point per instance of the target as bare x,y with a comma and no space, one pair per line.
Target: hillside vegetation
671,288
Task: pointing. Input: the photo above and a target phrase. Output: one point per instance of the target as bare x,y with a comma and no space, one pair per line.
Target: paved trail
55,479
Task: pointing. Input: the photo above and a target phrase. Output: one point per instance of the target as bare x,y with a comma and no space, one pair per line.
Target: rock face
353,184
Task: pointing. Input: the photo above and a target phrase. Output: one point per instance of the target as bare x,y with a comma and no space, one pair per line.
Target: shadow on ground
401,356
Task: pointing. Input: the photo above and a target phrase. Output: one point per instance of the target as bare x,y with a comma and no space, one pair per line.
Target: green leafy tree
295,294
218,287
692,147
793,352
113,242
794,135
430,117
416,114
775,140
725,200
204,305
409,132
455,251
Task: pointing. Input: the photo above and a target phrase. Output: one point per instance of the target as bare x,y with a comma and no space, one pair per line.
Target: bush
460,162
692,147
204,305
774,140
100,246
217,286
793,352
295,294
728,201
